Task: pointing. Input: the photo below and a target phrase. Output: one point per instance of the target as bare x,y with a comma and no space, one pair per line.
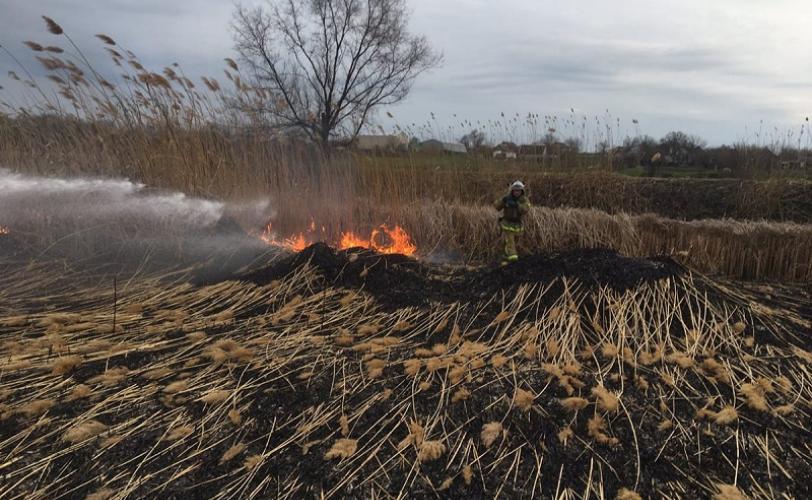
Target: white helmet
518,185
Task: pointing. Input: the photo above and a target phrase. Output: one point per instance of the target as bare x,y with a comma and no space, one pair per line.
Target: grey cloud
713,68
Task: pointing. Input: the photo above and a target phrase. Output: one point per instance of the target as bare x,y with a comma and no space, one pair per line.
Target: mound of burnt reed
598,266
400,281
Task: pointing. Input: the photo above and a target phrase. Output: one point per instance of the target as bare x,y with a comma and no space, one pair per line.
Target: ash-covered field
352,374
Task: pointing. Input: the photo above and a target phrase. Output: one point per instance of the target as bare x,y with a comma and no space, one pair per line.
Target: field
225,164
325,374
192,306
159,344
155,343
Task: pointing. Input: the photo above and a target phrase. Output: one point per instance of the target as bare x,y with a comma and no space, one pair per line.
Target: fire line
383,239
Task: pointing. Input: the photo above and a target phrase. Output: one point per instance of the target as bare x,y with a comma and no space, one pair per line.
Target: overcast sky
716,69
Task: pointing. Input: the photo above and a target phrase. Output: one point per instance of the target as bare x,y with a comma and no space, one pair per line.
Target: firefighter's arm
500,204
524,206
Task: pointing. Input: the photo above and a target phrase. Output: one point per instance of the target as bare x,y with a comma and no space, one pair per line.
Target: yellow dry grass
367,415
342,449
84,431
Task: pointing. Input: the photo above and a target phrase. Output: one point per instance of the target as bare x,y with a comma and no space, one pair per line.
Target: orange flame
382,240
296,243
388,241
5,230
350,240
268,236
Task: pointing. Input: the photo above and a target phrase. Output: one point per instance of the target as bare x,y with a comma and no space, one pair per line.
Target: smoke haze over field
123,222
99,202
712,69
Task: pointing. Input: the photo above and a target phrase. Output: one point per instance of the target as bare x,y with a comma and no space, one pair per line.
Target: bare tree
574,144
681,148
330,63
473,140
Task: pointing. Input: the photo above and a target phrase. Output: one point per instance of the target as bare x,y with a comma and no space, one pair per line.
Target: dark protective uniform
513,209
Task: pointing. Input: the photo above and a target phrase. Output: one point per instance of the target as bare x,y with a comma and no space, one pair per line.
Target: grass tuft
232,452
728,492
523,399
490,433
574,403
65,365
84,431
215,396
606,400
430,451
342,449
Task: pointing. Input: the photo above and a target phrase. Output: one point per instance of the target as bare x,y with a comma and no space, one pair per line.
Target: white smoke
125,224
27,199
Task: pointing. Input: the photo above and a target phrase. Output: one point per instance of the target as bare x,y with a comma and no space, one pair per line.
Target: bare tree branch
330,63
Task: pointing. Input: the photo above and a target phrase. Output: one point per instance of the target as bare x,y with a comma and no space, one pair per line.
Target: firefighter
514,206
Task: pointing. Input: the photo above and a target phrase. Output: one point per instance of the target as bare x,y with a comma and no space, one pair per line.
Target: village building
504,155
381,142
435,146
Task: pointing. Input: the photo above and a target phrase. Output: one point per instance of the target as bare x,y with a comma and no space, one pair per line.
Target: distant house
381,142
435,146
543,152
533,152
507,146
795,164
504,155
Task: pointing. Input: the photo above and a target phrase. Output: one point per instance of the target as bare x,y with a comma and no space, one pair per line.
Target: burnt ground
398,281
290,384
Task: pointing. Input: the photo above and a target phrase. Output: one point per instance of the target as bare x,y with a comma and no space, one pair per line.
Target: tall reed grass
164,130
233,163
759,251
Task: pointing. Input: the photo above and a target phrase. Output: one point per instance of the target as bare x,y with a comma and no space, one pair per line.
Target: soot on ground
400,281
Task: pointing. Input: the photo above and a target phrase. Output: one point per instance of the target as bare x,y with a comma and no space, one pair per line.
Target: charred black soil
399,281
349,374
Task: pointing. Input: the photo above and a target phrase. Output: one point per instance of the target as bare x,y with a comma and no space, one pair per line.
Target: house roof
453,147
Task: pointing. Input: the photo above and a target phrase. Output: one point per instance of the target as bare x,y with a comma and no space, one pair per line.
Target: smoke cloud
26,199
123,222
